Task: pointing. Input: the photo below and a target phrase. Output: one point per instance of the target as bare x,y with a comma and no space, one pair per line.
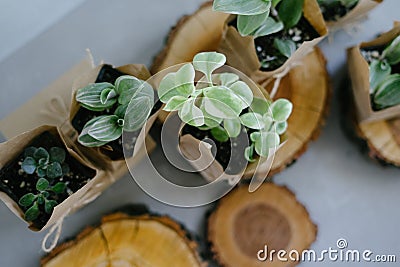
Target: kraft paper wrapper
358,13
95,154
359,75
11,149
241,53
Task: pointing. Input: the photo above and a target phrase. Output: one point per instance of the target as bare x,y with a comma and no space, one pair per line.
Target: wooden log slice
307,86
244,223
131,241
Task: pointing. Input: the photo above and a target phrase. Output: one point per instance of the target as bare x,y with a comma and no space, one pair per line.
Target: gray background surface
347,195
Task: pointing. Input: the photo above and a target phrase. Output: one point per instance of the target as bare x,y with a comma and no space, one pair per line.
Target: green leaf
209,120
85,139
41,171
269,26
43,162
137,113
40,199
222,103
281,127
106,95
59,188
266,141
57,154
388,92
255,136
275,2
126,83
252,120
392,52
260,105
49,205
349,3
106,129
29,165
232,127
285,47
378,72
290,12
29,151
121,111
242,7
27,200
180,83
220,134
65,168
32,213
175,103
243,92
268,121
41,153
90,96
225,79
191,114
281,109
130,87
248,153
247,24
54,170
208,62
42,184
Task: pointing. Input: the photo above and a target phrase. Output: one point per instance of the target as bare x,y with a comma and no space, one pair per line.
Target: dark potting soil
114,149
335,10
16,184
231,157
270,58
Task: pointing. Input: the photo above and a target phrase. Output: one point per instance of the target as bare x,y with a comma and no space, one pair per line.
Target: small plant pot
379,131
244,223
306,86
109,244
338,16
79,116
246,53
14,183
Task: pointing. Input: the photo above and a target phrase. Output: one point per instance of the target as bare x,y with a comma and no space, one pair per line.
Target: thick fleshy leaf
54,170
137,113
247,24
392,52
180,83
41,171
49,205
266,141
285,47
32,213
220,134
260,105
106,129
255,136
29,151
85,139
90,96
42,184
59,188
121,111
378,72
225,79
57,154
41,153
269,26
268,121
143,89
126,83
248,153
252,120
281,127
275,2
27,200
29,165
243,91
191,114
290,12
388,93
107,95
209,120
232,127
222,103
281,109
208,62
242,7
175,103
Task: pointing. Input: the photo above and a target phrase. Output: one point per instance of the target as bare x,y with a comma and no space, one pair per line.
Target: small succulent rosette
42,180
374,70
342,14
265,39
227,122
110,107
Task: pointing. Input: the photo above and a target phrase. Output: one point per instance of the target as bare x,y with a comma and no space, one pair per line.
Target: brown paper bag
359,75
241,53
12,149
99,155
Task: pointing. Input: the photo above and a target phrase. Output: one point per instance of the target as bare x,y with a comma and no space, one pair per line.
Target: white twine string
57,227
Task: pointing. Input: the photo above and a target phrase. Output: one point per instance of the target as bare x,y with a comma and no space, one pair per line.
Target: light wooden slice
131,241
244,223
307,86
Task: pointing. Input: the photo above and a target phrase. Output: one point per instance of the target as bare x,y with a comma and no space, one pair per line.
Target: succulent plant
217,103
132,99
